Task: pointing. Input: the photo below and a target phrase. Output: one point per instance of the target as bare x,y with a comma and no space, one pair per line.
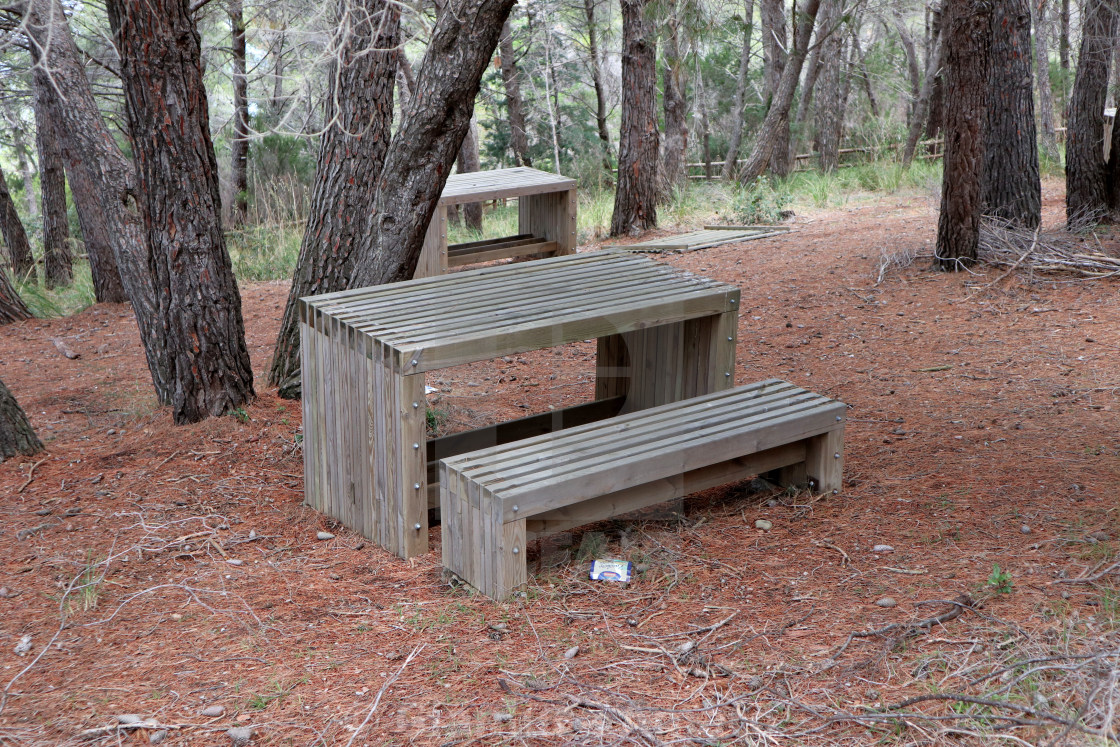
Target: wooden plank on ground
708,237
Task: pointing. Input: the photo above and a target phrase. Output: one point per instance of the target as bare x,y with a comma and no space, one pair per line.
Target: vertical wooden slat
412,466
309,389
824,460
514,573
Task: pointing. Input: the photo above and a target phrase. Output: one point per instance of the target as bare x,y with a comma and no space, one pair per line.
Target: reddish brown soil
976,411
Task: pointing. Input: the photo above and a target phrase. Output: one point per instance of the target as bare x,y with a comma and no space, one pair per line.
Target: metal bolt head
838,418
416,526
516,508
415,361
730,339
415,405
728,373
837,455
416,485
835,492
416,446
517,551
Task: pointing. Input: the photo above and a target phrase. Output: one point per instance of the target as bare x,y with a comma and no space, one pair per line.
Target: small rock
685,647
1101,536
572,653
763,524
213,711
334,577
324,536
158,737
772,502
641,567
4,593
887,602
878,549
240,735
235,561
503,718
1065,595
129,718
23,646
1025,529
252,534
176,616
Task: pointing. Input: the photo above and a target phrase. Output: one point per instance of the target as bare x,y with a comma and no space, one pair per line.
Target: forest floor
172,574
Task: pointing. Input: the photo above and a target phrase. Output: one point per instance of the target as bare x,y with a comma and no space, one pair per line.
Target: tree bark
1086,192
239,146
351,155
1042,75
198,305
921,107
16,434
424,148
468,162
739,107
774,56
595,64
777,117
515,107
58,266
19,248
99,174
914,73
12,307
864,75
1063,35
830,101
675,143
635,197
1010,187
702,114
967,30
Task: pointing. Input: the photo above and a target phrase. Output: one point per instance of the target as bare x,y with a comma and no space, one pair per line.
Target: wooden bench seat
493,500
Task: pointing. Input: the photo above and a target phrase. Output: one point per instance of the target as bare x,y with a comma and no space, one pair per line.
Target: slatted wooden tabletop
501,183
709,237
481,314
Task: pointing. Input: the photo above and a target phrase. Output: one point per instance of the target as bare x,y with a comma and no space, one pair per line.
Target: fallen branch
31,474
1090,579
64,349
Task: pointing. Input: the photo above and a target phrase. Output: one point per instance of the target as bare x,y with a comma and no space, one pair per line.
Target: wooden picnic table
546,218
663,335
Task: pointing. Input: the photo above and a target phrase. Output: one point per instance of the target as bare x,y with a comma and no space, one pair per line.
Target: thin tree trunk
595,65
351,155
864,76
1010,186
19,248
831,99
967,30
550,101
775,54
515,108
705,128
276,50
468,162
1063,35
405,81
914,73
933,72
58,266
16,434
769,133
675,143
239,146
739,107
1086,190
101,174
198,303
423,150
635,197
12,307
1042,76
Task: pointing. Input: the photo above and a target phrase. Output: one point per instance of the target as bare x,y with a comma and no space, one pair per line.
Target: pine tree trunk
921,106
12,307
702,114
935,115
774,56
15,237
769,135
16,434
1063,35
58,266
1086,193
864,75
967,30
351,154
635,197
1048,134
515,107
198,303
100,177
830,101
675,143
739,107
595,64
1010,187
468,162
239,146
424,148
276,52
